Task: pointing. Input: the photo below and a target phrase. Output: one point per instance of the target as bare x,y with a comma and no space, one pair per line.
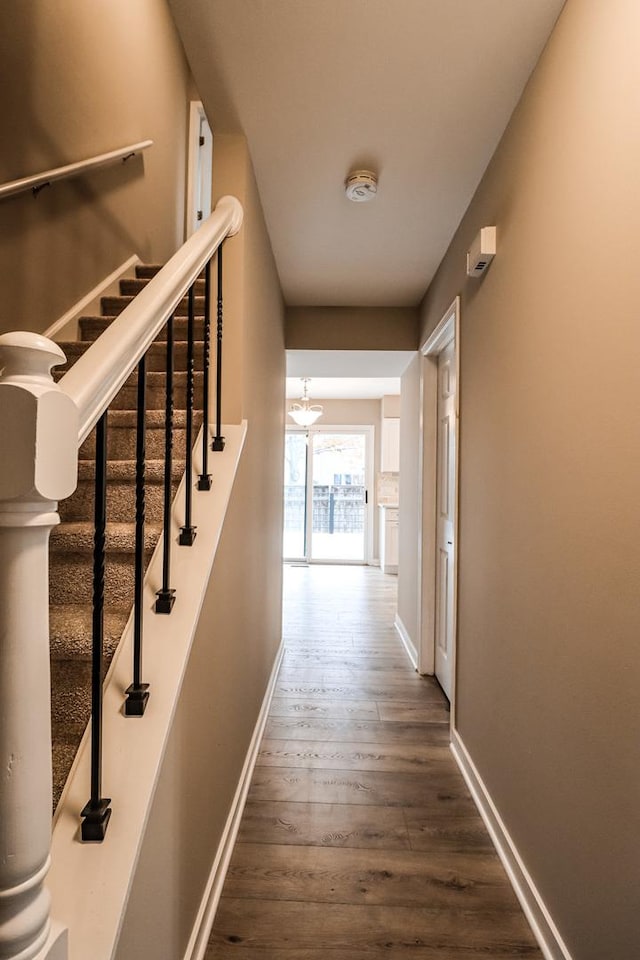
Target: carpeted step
66,739
113,306
156,354
121,434
92,327
129,288
121,491
71,691
127,398
70,630
71,557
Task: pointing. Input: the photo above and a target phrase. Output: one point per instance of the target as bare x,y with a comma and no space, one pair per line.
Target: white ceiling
418,90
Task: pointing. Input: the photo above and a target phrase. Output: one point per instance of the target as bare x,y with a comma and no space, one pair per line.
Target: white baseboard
197,945
540,920
66,327
408,643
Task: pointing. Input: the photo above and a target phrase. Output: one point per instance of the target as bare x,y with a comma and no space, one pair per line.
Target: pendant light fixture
302,413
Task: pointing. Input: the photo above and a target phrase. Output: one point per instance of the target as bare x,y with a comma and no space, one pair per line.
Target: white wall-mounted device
482,252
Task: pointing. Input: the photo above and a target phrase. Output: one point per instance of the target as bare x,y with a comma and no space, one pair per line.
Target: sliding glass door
326,494
294,541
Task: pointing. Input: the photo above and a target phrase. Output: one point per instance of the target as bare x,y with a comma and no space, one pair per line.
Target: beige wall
239,631
409,512
351,328
78,79
549,549
391,405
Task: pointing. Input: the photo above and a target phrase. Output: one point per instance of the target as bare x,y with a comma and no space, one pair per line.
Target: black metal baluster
138,692
188,531
97,812
204,480
218,440
166,596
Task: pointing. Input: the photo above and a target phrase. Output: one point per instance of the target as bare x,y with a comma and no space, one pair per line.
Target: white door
199,168
446,531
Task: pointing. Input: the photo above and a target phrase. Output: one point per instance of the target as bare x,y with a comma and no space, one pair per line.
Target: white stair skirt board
198,941
66,326
540,920
82,873
408,643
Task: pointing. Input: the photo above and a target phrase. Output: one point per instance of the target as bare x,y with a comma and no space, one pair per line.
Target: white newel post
38,467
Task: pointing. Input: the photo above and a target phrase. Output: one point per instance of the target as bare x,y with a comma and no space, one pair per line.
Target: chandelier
302,413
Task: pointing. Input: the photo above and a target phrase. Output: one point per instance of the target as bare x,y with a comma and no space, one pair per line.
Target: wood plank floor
359,839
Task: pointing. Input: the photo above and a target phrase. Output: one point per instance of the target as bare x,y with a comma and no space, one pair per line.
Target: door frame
196,115
447,330
369,434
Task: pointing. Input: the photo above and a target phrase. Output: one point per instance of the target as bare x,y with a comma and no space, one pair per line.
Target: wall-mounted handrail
38,180
98,374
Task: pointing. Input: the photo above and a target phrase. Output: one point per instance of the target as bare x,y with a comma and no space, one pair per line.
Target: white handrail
98,374
37,180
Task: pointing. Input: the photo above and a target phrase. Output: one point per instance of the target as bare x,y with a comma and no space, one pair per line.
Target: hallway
359,838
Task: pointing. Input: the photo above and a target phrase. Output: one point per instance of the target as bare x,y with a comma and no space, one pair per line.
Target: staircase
71,553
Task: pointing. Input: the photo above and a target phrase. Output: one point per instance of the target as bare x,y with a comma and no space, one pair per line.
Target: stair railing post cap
38,422
28,357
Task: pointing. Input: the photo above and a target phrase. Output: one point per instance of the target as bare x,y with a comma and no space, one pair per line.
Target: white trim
535,910
447,330
407,642
197,946
90,302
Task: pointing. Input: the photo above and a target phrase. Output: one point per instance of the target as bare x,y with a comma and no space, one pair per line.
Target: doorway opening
327,509
199,170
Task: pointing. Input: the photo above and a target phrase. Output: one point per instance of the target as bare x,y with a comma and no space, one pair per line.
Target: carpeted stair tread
154,420
115,305
66,739
77,537
70,630
130,287
126,399
121,441
156,355
71,691
91,328
125,470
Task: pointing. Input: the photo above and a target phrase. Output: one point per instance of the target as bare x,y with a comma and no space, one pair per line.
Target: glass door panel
338,513
295,495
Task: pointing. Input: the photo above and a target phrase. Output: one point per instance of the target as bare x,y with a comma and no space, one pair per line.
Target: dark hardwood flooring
359,840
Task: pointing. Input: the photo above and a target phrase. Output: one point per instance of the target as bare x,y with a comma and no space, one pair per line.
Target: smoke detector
361,185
